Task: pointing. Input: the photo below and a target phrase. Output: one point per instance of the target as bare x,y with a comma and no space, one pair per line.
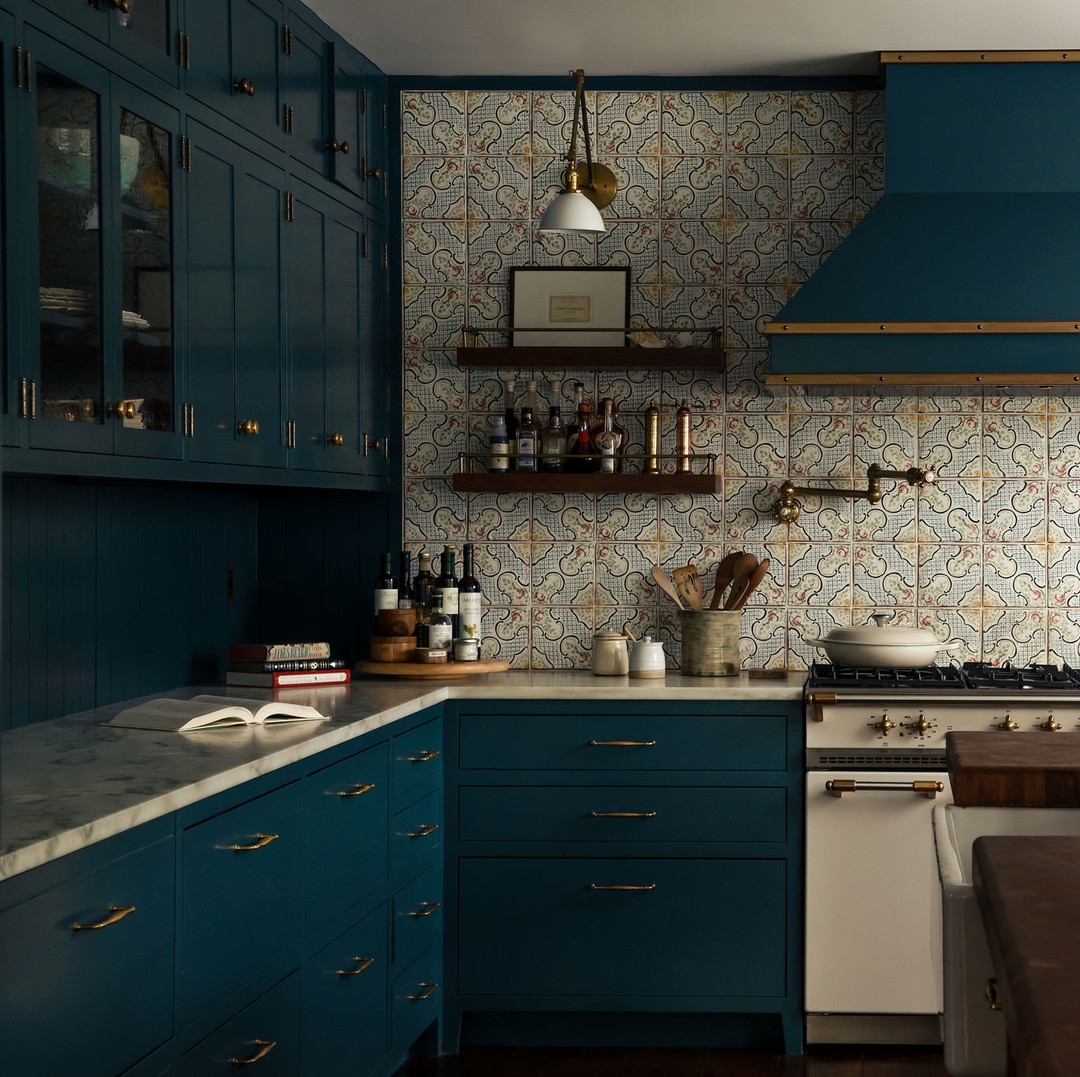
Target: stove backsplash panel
727,202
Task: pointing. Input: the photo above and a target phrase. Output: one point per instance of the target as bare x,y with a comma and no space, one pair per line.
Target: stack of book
284,665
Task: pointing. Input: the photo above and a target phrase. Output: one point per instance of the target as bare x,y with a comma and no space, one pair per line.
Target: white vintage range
875,757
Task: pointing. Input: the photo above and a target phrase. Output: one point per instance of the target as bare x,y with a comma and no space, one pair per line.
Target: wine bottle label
469,614
526,452
439,635
449,599
499,460
386,598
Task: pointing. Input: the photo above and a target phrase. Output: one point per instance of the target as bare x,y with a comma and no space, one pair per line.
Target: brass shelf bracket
788,508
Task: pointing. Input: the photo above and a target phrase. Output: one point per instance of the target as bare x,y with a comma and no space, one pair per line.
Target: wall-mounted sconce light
589,187
787,508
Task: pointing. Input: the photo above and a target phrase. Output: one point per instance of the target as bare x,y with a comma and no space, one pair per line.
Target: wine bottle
498,446
528,441
386,587
583,455
470,596
406,598
423,584
440,631
511,421
447,586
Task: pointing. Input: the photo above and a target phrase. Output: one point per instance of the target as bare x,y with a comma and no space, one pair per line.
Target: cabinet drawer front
418,916
632,813
346,833
416,999
242,893
572,927
415,831
269,1027
344,1012
634,742
91,1000
416,759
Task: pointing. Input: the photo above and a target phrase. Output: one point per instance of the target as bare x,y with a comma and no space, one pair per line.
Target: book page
182,714
266,713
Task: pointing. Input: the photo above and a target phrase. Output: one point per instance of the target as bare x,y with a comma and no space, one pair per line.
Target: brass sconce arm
788,508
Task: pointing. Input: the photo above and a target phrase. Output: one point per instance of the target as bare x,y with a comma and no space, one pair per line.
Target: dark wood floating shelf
619,358
592,483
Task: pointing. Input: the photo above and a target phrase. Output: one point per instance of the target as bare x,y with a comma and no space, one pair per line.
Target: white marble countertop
69,782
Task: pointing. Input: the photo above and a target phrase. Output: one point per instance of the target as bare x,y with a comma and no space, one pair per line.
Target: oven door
873,905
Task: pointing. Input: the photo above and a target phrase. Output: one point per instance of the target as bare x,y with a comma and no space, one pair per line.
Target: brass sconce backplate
601,192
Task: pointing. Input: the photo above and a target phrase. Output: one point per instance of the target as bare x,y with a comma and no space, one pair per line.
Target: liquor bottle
386,587
528,440
620,431
447,586
583,455
498,446
469,596
440,630
511,421
423,584
553,441
572,427
406,599
607,442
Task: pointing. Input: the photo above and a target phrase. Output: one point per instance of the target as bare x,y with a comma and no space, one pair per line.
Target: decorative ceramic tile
499,121
692,251
821,188
746,310
561,638
747,512
885,398
432,512
1063,574
433,188
1014,510
433,316
624,573
757,252
635,244
812,241
757,121
486,306
703,390
757,187
811,399
627,518
869,173
1016,398
963,627
434,440
1063,512
886,440
433,122
564,516
820,448
434,252
686,518
949,398
869,117
821,122
809,623
509,638
1063,446
640,621
626,122
632,390
951,445
1017,636
499,188
1013,576
1063,636
693,187
764,638
433,382
504,572
638,188
892,519
819,575
561,249
949,575
884,574
757,445
562,574
692,123
1014,445
552,119
951,511
500,517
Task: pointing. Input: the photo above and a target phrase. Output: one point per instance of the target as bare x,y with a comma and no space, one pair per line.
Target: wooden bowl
392,648
395,622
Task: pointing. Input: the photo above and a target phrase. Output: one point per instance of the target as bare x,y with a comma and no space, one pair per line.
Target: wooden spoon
723,577
665,584
744,566
755,578
688,582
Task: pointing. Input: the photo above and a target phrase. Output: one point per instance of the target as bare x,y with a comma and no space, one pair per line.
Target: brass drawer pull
426,908
357,790
264,1048
424,756
429,990
261,843
621,814
597,886
424,831
621,743
362,965
115,915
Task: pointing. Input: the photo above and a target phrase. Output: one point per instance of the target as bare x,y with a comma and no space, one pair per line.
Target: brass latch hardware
376,445
188,419
787,508
290,206
286,39
290,434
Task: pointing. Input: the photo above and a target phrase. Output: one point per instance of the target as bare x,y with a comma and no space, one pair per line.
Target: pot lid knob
881,619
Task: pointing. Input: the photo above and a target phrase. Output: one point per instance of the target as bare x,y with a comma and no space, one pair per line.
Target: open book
212,712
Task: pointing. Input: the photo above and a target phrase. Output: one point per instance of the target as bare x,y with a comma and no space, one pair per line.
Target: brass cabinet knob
248,426
336,439
375,173
337,147
244,86
123,409
123,6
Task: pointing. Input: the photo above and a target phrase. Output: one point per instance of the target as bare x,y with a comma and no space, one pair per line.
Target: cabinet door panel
415,831
417,917
689,927
306,95
13,358
416,999
416,759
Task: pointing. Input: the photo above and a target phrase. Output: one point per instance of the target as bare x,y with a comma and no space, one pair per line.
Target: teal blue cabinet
358,128
307,96
13,386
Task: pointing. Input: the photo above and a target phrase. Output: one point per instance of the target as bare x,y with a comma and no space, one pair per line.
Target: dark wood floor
679,1062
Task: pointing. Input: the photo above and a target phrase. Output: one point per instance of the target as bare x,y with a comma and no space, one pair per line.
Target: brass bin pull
621,743
262,841
597,886
621,814
362,965
429,990
424,756
264,1048
115,914
837,787
424,831
426,908
358,790
991,995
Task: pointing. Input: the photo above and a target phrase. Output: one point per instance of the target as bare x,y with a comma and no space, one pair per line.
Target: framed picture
580,307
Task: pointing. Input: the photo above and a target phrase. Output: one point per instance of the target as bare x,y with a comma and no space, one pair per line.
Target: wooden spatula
688,582
755,578
744,566
723,577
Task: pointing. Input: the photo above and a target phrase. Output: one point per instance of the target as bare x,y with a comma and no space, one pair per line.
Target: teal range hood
968,268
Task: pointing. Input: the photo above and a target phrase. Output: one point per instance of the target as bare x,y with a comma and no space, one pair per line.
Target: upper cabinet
358,142
306,109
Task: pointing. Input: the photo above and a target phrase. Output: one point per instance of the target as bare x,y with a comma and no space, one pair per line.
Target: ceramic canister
609,655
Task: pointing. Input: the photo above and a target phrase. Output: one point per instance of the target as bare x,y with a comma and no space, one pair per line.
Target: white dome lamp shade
588,187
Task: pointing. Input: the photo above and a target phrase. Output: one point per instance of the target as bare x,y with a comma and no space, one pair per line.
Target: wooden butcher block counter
1014,770
1028,890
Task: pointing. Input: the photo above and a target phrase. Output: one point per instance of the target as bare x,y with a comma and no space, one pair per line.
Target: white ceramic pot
647,658
879,645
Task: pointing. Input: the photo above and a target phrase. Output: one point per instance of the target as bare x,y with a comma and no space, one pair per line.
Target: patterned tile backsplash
727,202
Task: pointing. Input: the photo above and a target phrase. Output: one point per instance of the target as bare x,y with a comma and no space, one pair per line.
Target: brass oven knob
248,426
337,147
1008,725
884,725
1050,725
244,86
921,726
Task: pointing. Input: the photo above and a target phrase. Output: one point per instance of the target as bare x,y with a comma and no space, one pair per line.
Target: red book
272,652
289,680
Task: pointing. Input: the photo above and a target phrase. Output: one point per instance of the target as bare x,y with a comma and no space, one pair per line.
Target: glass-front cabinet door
14,380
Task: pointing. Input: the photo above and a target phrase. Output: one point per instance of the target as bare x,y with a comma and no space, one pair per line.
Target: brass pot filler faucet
787,508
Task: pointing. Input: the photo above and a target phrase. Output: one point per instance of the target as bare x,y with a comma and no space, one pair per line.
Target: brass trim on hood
877,328
975,56
923,378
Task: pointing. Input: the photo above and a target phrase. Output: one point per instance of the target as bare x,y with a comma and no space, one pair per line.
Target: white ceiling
478,38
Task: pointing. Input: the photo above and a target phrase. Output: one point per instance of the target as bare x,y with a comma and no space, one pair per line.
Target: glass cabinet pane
146,273
69,231
147,20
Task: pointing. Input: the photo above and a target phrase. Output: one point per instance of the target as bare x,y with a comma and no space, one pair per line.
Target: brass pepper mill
682,439
652,439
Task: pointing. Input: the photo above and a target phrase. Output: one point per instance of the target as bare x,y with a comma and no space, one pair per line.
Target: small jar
466,650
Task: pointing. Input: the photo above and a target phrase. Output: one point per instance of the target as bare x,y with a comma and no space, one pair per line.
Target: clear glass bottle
447,586
470,596
423,584
553,441
620,431
607,442
440,629
406,597
511,421
386,586
528,441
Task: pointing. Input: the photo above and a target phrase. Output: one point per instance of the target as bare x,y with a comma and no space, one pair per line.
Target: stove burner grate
972,676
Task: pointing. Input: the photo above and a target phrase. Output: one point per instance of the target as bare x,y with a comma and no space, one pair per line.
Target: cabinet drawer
415,831
266,1034
418,916
346,833
750,741
663,927
416,999
631,813
344,1012
417,759
90,1001
242,892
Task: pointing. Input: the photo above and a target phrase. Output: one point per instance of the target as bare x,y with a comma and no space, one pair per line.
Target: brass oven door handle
264,1047
115,914
597,886
837,787
621,814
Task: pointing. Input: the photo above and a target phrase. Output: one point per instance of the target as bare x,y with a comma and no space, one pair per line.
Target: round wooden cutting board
430,669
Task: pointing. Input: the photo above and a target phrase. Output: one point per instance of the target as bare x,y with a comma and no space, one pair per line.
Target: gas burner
1036,676
824,675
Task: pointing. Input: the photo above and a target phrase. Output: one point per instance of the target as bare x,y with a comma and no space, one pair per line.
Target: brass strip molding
976,56
878,328
923,378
